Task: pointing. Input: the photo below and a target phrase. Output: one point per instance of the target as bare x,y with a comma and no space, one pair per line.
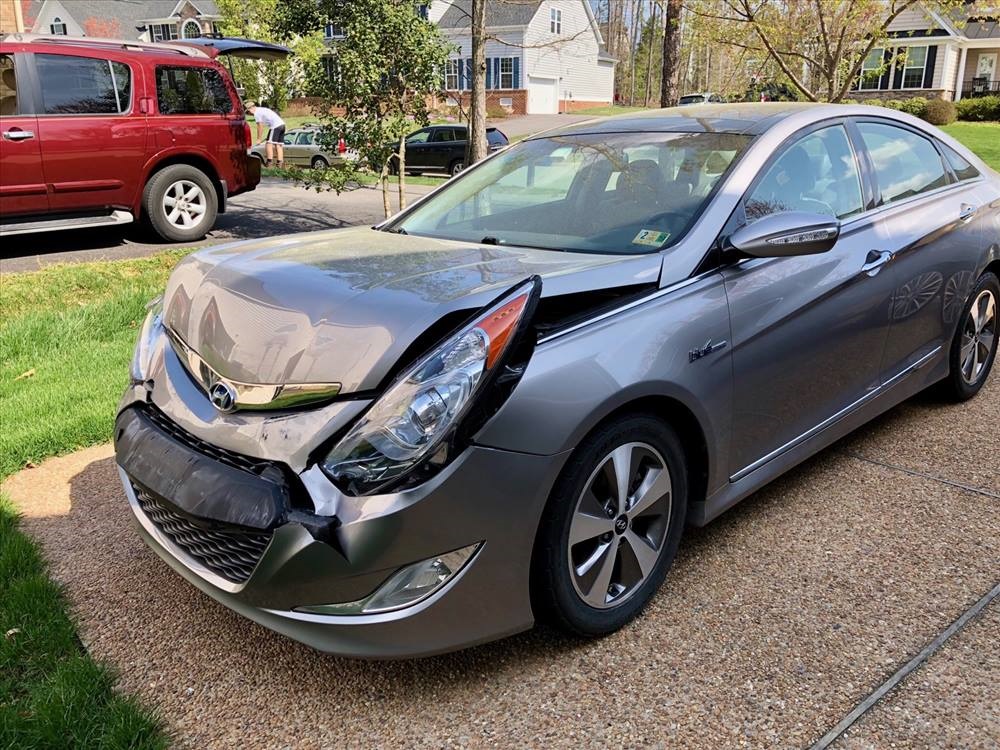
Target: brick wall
861,96
9,17
518,97
574,105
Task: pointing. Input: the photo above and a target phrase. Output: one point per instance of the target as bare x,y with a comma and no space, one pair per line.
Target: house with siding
931,55
136,20
542,57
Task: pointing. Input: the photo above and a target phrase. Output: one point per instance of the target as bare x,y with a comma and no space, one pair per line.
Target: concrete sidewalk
776,621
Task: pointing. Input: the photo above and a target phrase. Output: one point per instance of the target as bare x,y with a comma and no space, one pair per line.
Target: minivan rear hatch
236,47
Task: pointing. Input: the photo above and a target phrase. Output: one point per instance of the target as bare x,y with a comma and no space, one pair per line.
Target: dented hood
342,306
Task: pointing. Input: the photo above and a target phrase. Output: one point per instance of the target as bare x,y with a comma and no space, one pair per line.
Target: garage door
543,96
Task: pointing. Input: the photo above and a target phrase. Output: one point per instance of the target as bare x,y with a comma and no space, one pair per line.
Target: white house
140,20
543,56
936,56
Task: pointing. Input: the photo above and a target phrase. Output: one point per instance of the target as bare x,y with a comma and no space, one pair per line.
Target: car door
937,223
93,140
807,332
22,183
293,152
442,147
417,149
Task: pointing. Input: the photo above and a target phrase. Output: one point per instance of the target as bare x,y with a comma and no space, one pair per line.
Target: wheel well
197,162
994,268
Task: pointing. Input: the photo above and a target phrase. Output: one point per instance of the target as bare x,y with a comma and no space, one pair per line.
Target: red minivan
103,132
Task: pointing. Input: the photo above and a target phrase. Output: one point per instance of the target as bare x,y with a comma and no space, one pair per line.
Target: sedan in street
505,404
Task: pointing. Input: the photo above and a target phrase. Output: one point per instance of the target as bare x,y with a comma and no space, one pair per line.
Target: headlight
425,404
147,337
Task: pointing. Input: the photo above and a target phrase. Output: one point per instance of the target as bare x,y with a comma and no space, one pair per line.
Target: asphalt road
775,622
275,207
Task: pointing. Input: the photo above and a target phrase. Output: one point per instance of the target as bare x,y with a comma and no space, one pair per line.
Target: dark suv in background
102,132
441,148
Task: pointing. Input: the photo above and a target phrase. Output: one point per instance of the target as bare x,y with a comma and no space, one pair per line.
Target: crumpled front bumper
486,496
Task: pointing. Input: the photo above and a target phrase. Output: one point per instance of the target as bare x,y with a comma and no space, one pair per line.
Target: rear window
191,91
73,85
963,170
495,138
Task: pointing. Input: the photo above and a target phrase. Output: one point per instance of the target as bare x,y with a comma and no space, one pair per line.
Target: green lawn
66,338
983,138
609,109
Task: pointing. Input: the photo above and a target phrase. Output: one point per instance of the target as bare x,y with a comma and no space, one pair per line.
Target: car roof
744,118
156,50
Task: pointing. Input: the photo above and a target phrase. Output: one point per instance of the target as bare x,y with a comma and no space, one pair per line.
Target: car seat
8,104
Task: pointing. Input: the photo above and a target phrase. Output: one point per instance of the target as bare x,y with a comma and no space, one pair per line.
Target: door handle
967,212
875,260
18,135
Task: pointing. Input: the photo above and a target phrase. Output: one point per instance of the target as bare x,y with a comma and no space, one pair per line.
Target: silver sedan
304,149
506,403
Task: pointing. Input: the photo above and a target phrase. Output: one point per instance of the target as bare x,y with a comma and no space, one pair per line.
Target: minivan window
191,91
963,170
73,85
621,193
8,86
906,164
818,174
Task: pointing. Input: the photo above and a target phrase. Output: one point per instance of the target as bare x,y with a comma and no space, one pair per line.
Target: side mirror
787,233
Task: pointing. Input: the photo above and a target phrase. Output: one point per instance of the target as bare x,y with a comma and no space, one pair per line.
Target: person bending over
270,119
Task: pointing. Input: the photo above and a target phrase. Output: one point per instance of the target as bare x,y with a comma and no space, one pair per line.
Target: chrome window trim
249,395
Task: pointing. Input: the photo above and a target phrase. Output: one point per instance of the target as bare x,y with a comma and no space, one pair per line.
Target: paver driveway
775,622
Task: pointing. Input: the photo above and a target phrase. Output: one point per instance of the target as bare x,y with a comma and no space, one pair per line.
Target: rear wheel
456,166
611,528
974,348
180,202
318,162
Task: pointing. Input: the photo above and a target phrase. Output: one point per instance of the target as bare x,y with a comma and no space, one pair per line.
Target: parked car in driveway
706,97
303,149
506,403
441,148
98,132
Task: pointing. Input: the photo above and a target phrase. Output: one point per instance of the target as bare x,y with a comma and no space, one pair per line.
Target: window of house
191,91
57,26
163,32
423,11
555,21
191,29
83,85
818,174
451,75
913,67
906,164
332,31
506,73
871,69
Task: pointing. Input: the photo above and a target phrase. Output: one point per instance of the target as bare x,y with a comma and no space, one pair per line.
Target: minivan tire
556,597
200,203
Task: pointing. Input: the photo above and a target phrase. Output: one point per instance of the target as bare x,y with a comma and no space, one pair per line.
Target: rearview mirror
787,233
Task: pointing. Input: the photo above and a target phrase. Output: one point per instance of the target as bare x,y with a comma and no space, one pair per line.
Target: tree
476,148
818,45
671,54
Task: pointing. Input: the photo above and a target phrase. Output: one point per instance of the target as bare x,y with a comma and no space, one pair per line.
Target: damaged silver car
504,404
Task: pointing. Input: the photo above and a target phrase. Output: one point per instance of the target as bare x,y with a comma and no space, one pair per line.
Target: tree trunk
402,172
476,148
637,13
671,54
649,54
383,181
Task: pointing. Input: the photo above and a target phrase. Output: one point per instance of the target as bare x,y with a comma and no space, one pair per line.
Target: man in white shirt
270,119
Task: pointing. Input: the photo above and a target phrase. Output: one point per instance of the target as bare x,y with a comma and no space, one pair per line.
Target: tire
456,166
579,603
974,349
318,162
195,188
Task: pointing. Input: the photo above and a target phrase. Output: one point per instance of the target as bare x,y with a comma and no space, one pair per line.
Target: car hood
342,306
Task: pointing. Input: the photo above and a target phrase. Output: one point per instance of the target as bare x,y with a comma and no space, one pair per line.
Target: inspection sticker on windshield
651,237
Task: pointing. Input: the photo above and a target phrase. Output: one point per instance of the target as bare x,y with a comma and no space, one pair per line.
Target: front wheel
612,527
180,202
974,348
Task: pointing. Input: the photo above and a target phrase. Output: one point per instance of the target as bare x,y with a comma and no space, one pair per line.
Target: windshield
622,193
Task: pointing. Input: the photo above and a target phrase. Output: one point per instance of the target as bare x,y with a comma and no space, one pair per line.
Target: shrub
893,103
496,112
850,101
980,109
917,106
940,112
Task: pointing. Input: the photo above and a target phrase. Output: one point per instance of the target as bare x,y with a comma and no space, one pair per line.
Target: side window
83,85
818,174
443,134
191,91
420,136
304,139
906,164
8,87
963,170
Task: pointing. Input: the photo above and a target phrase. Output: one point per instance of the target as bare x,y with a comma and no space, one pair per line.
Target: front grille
229,552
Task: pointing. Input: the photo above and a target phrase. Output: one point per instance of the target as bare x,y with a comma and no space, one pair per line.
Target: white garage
543,96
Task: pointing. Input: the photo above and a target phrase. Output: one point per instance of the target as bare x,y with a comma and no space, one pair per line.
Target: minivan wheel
611,528
974,348
180,202
318,162
456,166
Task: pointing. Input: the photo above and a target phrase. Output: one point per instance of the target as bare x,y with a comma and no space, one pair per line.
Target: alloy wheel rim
619,526
184,204
978,337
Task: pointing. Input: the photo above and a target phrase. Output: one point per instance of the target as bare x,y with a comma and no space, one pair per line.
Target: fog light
405,587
